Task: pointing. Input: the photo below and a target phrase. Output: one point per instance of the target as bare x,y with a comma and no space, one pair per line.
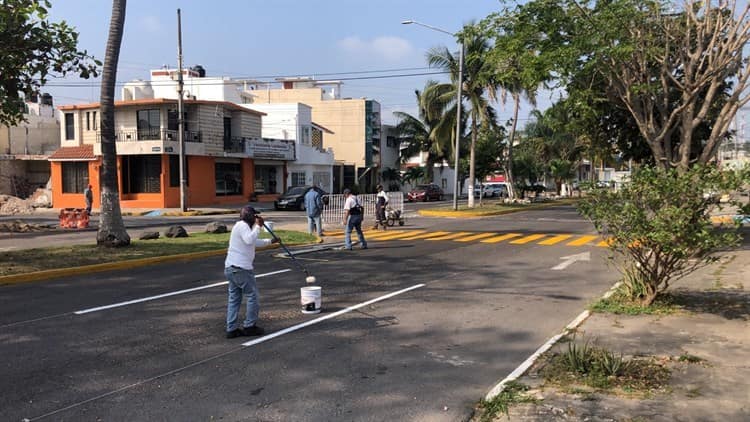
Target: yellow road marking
475,237
527,239
391,236
450,236
425,235
581,241
556,239
604,243
498,239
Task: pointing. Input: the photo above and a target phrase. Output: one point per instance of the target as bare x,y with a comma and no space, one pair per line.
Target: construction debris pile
12,205
21,227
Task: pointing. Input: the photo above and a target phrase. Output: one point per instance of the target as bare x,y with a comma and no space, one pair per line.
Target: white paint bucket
269,224
310,299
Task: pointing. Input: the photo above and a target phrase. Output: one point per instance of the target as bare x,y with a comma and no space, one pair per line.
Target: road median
487,210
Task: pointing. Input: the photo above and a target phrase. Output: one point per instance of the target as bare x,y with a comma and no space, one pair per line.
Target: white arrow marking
585,256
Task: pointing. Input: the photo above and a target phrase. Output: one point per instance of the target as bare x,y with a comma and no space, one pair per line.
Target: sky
252,38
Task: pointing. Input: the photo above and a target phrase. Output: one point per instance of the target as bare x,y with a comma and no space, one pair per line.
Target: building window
228,179
94,121
391,141
88,120
148,124
70,127
75,176
174,171
298,178
141,174
305,139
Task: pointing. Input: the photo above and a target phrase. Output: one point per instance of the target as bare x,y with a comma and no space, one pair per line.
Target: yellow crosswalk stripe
450,236
498,239
555,239
474,237
604,243
398,235
527,239
425,235
581,241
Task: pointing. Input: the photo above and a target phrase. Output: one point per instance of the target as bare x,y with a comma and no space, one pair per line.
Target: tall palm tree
478,85
111,227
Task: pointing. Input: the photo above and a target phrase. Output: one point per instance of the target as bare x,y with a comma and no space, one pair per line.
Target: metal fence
333,213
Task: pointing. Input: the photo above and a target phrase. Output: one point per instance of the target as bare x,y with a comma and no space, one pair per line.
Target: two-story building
222,142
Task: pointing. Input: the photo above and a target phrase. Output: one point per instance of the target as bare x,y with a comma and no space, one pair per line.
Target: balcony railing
235,145
133,135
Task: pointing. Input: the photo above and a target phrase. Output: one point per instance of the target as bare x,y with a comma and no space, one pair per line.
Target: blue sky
276,37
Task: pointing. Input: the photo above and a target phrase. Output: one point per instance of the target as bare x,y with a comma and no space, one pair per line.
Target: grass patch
686,357
583,366
31,260
620,303
513,393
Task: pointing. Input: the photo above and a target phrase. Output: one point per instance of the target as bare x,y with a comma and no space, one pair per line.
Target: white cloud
385,47
151,23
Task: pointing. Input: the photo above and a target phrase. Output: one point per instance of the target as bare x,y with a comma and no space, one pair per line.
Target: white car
496,189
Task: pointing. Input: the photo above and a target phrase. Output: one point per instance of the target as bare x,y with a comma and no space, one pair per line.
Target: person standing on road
88,196
238,268
381,201
353,215
314,208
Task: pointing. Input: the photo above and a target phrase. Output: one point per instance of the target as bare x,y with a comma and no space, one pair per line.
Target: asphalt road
461,315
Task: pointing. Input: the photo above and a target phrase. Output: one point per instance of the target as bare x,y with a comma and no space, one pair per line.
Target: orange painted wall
201,186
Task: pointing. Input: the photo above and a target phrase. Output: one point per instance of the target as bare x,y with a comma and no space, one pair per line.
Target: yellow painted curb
112,266
472,214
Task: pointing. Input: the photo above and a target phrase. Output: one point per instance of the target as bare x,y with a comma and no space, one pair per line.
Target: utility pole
180,119
459,102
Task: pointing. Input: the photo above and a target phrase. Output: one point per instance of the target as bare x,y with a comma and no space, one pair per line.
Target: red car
425,193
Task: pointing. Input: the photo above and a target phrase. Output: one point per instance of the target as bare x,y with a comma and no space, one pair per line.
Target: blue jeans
354,222
241,282
315,223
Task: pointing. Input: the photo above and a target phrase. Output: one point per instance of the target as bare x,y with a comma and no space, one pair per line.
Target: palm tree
478,82
414,175
111,227
562,171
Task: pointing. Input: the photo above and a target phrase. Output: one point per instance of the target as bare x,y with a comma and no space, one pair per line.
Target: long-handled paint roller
310,278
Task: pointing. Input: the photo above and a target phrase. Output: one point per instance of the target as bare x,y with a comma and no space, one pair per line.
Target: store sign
271,149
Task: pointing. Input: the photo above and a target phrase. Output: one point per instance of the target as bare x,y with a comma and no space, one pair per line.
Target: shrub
658,225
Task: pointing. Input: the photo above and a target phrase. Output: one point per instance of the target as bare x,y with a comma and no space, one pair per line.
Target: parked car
425,193
496,189
294,198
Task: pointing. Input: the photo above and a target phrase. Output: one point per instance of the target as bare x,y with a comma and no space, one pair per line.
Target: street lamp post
459,91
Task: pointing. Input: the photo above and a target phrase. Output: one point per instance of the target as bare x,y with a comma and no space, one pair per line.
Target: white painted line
523,367
329,316
161,296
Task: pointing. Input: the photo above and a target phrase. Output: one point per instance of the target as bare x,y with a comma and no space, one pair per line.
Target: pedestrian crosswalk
512,238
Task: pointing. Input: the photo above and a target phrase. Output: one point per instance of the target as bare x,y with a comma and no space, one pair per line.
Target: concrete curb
112,266
523,367
470,214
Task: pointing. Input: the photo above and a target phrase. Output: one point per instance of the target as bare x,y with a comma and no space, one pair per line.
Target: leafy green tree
111,231
31,50
658,225
414,175
478,84
562,171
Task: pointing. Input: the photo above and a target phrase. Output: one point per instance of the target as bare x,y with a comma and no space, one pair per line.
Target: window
75,176
174,171
141,174
94,121
148,124
391,141
298,178
305,135
70,127
228,179
88,120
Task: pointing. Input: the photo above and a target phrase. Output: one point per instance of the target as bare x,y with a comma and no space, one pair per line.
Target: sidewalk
705,346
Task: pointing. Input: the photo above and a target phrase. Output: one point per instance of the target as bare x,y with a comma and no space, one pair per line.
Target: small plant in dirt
513,393
658,225
621,302
602,369
686,357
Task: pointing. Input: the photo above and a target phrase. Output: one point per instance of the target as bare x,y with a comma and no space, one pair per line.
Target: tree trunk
472,160
112,231
509,164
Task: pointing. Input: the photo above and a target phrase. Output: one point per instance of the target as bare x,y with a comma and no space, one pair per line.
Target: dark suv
425,193
294,198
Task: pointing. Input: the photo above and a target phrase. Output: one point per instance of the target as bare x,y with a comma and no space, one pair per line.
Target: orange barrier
74,218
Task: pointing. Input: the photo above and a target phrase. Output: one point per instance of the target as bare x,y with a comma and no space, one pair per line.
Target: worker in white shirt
381,201
238,268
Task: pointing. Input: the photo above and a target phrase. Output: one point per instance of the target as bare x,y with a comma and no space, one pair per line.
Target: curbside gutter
523,367
112,266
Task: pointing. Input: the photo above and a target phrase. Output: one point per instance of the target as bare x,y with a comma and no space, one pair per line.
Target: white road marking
329,316
161,296
570,259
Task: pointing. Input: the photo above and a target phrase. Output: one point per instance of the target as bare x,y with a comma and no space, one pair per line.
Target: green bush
658,225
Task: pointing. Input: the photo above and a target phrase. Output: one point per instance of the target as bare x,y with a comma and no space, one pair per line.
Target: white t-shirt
383,195
350,202
242,243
